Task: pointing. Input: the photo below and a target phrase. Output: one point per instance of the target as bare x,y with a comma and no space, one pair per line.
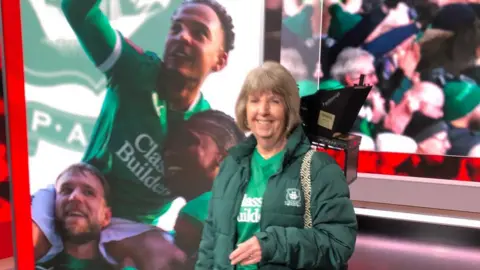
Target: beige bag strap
306,182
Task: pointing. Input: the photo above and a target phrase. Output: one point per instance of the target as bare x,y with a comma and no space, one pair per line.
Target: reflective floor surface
399,245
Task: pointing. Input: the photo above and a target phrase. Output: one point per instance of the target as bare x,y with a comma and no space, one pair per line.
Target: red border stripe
17,133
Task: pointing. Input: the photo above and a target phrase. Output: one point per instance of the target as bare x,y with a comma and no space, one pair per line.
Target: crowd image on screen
421,56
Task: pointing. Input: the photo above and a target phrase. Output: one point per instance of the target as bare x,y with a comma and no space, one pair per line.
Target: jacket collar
297,145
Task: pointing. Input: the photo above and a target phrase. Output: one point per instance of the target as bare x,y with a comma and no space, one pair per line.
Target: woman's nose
264,108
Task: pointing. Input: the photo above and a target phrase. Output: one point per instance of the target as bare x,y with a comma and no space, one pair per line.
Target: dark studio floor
385,244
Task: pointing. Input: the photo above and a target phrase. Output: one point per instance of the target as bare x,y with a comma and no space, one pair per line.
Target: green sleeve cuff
267,245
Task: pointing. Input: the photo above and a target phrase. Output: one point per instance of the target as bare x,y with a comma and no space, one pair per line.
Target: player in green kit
145,98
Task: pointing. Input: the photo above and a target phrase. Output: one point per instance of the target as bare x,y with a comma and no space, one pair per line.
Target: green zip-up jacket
284,242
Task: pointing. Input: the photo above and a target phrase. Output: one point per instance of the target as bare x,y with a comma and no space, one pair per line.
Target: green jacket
285,243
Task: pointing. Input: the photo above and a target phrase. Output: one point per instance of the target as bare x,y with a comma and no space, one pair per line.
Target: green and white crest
293,197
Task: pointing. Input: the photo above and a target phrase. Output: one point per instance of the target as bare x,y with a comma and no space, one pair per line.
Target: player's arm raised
103,45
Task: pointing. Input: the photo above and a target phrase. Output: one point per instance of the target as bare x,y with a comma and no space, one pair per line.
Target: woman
255,218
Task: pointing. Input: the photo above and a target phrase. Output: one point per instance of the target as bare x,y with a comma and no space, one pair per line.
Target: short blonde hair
270,76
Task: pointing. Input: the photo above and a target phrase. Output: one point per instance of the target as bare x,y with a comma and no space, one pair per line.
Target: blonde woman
256,214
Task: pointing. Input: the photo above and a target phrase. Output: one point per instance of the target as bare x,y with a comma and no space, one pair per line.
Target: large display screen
422,118
144,92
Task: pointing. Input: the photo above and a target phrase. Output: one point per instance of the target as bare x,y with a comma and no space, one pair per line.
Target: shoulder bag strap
305,180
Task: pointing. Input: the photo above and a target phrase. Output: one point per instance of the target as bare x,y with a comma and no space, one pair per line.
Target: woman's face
266,115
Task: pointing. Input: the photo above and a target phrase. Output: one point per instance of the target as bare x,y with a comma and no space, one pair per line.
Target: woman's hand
248,252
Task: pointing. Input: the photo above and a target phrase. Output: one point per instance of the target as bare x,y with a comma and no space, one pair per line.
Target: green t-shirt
250,211
63,261
127,141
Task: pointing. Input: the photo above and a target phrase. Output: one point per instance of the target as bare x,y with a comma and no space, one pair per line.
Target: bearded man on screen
145,99
81,212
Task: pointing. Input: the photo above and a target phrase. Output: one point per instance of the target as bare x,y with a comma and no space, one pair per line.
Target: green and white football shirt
248,219
127,141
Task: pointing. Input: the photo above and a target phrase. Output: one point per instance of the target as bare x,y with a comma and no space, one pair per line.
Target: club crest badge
293,197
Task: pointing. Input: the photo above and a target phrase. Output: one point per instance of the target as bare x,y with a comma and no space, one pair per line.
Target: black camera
329,115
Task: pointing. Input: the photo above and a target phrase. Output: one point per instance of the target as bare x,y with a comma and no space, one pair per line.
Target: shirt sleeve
198,207
43,214
111,53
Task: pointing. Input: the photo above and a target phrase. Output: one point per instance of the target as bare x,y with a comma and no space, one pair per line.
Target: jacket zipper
262,228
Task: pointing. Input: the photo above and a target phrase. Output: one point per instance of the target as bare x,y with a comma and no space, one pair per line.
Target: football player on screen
146,96
81,212
193,157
